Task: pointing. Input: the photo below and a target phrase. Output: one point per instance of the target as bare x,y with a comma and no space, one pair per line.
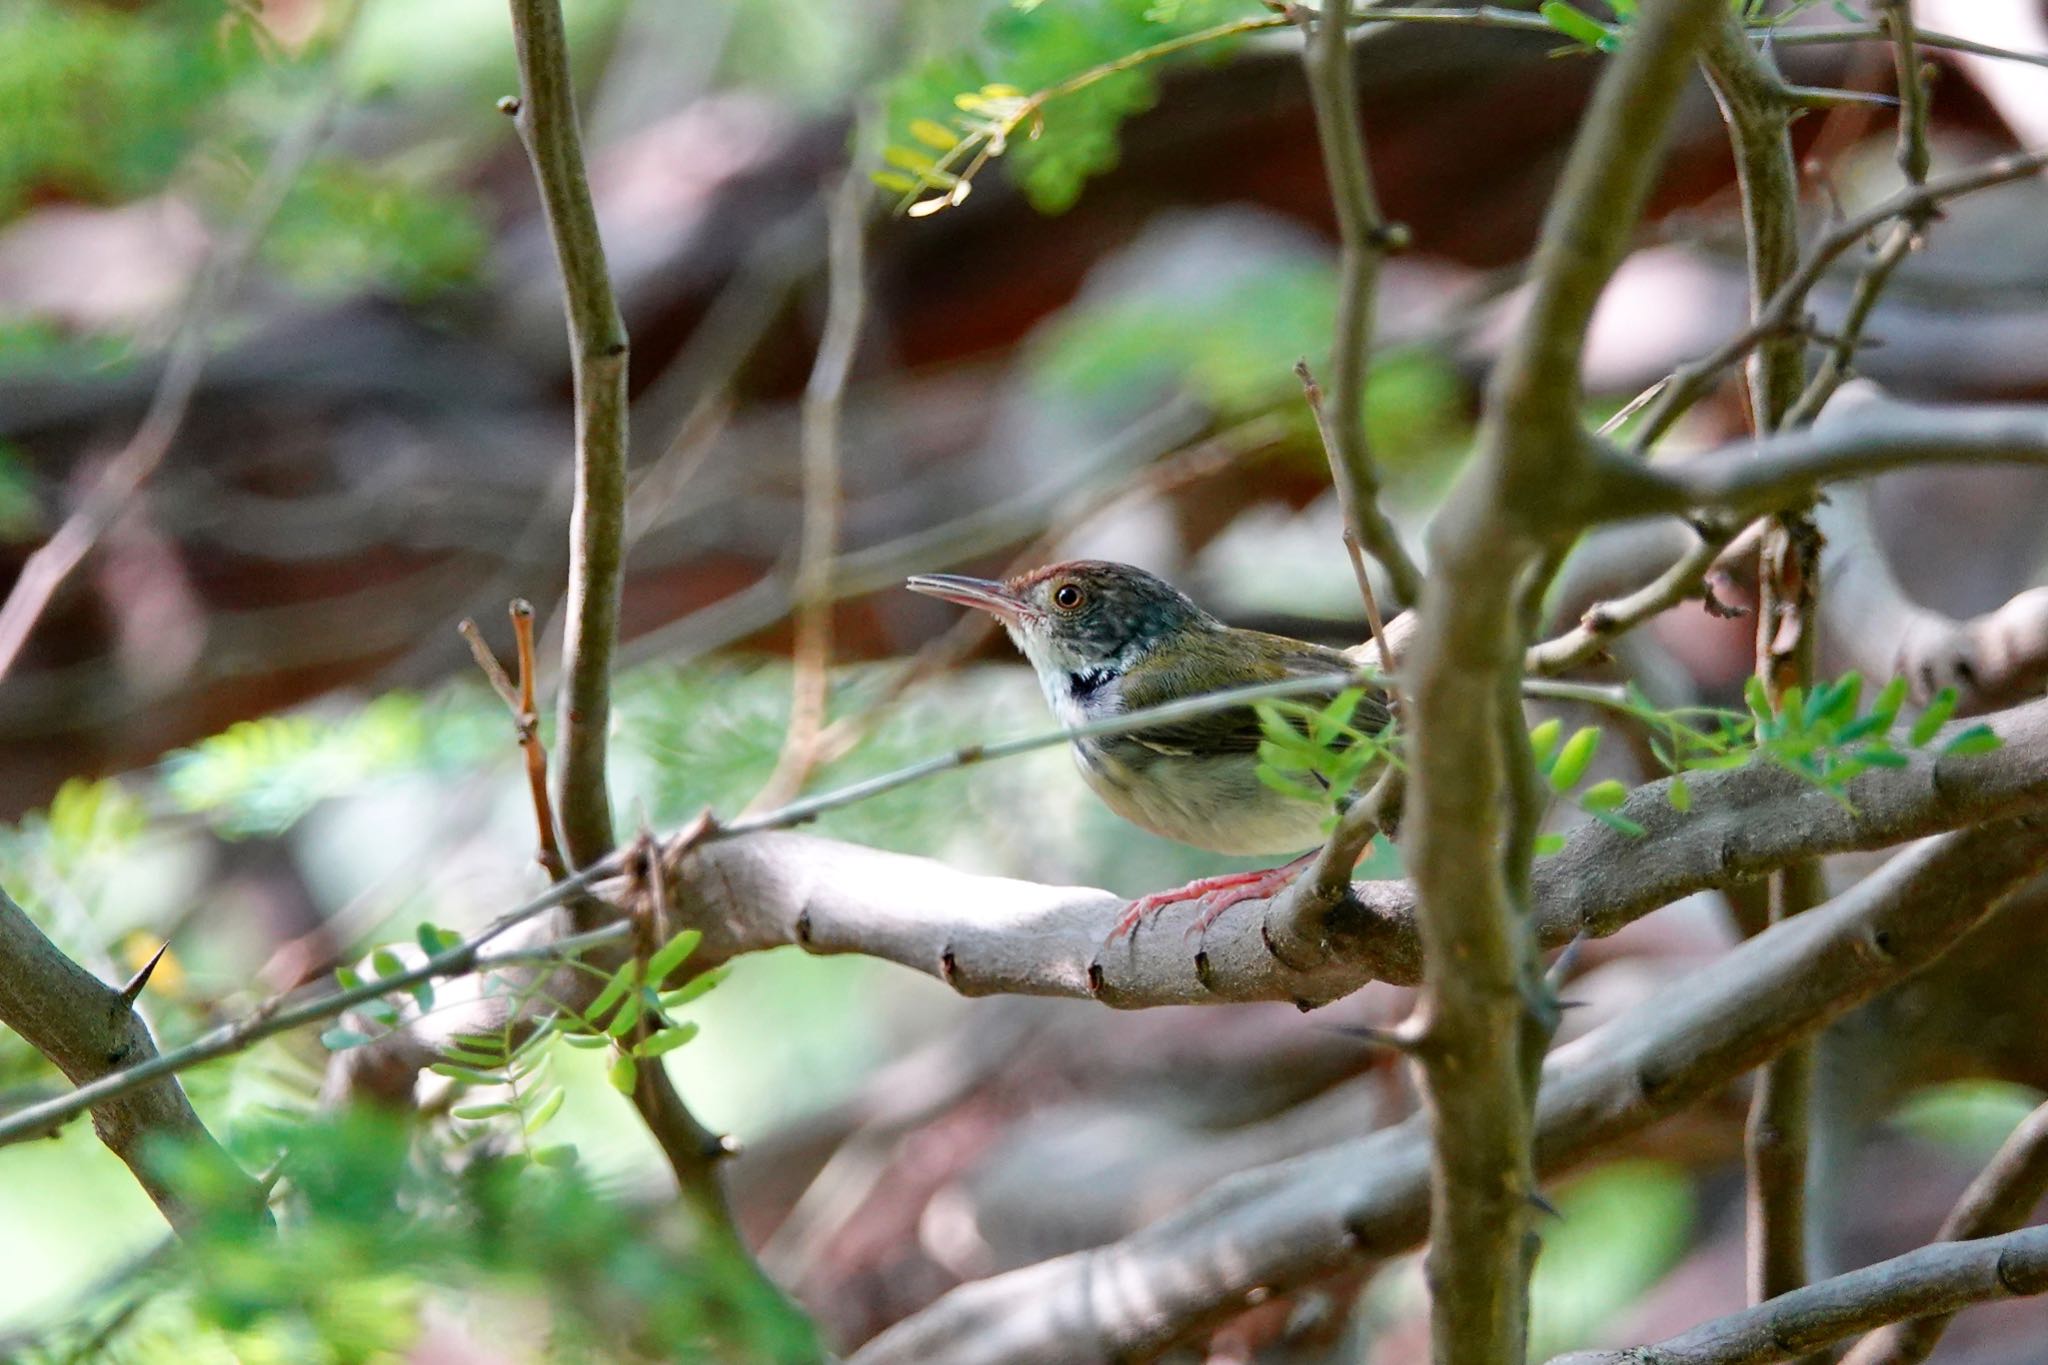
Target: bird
1106,639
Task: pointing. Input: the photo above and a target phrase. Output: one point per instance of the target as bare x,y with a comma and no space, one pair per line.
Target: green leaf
1862,728
484,1111
1543,742
339,1039
629,1014
1603,795
894,181
1882,756
1548,844
455,1071
623,980
1572,24
557,1157
1842,698
1978,739
387,963
1288,786
1574,759
624,1073
545,1110
383,1011
588,1041
695,987
1759,699
668,1040
347,978
1678,794
1934,717
423,995
672,955
1889,701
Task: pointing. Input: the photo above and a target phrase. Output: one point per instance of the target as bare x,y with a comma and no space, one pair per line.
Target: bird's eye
1067,597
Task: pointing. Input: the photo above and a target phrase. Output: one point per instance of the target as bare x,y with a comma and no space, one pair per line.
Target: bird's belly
1214,803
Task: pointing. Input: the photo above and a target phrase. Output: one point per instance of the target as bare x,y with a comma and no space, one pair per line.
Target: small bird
1107,639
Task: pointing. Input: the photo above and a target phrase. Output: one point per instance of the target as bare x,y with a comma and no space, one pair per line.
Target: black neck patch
1086,683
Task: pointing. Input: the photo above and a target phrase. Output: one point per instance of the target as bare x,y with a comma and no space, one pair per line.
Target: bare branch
546,116
1940,1278
1785,311
811,654
279,1014
1364,236
1280,1226
123,477
1990,659
90,1030
1516,502
1998,1200
1758,112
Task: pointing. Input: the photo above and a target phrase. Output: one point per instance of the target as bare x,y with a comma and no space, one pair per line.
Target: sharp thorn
136,982
1544,1204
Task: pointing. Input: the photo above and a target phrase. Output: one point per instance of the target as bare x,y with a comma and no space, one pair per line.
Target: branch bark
88,1030
1269,1229
545,113
1940,1278
1484,1014
1998,1200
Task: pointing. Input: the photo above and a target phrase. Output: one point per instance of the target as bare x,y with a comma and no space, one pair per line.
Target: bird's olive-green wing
1218,662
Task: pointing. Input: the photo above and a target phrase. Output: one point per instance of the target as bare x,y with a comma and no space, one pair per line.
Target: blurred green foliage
380,1225
1971,1118
159,70
1032,47
1619,1230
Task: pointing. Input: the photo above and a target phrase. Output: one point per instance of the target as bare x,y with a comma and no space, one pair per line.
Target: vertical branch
1364,236
1758,113
1531,486
823,407
545,113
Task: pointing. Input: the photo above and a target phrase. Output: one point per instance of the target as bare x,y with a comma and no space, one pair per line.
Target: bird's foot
1216,894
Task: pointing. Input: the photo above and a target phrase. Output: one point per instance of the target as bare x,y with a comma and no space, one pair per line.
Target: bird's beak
986,594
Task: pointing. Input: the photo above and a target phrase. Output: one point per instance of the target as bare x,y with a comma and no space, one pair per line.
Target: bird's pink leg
1218,893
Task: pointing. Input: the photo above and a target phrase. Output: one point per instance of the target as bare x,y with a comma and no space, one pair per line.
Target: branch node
508,105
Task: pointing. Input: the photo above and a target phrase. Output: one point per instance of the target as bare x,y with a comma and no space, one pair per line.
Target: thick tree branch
1483,1031
1269,1229
1933,1279
546,116
89,1030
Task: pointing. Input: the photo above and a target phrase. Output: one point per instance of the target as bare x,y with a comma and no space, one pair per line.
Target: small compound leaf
1574,759
339,1039
1934,717
1978,739
668,1040
624,1073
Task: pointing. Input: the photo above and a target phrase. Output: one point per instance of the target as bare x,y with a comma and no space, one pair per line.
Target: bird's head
1082,617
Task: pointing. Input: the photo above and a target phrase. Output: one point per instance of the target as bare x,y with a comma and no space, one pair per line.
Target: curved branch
1933,1279
1269,1229
1991,659
1998,1200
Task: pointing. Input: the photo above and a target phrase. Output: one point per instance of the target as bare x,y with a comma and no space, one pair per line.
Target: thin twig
1691,381
822,423
1364,236
1944,1277
276,1015
545,114
213,287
